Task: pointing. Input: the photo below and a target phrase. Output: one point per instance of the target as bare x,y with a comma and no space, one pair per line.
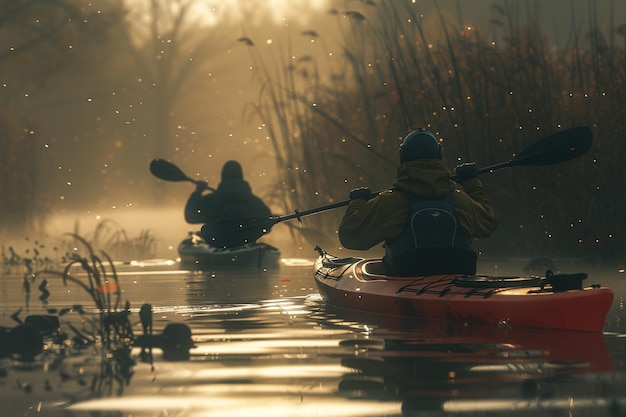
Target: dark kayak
195,253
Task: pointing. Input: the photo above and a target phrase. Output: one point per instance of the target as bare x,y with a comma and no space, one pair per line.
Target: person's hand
465,172
201,186
362,193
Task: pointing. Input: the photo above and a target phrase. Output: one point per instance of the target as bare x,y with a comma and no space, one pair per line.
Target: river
264,344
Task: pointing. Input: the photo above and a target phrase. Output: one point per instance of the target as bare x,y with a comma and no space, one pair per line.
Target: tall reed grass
118,243
336,120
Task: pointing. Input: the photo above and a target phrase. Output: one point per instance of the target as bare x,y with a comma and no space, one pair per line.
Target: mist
91,98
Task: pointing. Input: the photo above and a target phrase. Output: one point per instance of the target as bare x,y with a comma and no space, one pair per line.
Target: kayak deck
538,302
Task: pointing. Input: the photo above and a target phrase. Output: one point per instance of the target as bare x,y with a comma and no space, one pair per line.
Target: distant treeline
90,92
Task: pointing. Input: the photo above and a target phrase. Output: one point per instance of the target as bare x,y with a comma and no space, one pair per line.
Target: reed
335,122
111,328
116,241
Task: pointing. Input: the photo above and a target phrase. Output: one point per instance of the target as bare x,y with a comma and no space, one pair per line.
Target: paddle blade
233,233
167,171
556,148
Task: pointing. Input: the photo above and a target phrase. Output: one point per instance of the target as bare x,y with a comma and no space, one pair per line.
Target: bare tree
38,39
172,46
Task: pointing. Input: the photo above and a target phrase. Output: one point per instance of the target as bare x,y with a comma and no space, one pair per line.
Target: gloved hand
201,186
465,172
362,193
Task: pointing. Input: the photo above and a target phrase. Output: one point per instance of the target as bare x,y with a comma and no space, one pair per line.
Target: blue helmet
420,144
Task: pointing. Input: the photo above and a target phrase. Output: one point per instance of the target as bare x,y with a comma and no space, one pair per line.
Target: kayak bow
552,302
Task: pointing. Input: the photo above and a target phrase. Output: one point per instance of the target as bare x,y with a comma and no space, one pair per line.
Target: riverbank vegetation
91,93
336,122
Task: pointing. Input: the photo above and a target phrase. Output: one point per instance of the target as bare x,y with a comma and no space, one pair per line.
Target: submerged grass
336,120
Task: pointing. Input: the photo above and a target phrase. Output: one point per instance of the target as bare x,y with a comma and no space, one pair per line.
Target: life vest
431,229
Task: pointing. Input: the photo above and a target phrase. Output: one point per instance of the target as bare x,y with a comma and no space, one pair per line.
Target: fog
87,108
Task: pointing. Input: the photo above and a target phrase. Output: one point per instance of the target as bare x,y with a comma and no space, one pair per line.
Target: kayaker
428,220
233,199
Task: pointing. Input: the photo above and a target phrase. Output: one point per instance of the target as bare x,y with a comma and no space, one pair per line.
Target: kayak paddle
553,149
167,171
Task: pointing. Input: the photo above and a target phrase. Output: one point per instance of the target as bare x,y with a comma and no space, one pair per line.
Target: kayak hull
355,284
195,253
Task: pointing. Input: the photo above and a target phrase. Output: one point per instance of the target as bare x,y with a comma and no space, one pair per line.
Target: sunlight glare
255,405
254,13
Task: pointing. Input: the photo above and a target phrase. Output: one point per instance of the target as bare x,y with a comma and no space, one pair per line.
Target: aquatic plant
111,236
113,239
107,329
111,328
104,328
32,255
101,284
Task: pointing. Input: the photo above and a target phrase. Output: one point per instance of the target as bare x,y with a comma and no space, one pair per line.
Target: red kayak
555,301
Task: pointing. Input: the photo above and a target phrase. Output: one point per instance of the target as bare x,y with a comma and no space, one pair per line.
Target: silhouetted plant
108,331
112,327
114,239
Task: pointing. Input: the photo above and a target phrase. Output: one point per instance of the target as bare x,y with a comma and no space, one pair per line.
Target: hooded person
428,220
233,199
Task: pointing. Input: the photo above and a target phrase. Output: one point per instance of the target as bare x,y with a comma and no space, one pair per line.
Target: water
265,345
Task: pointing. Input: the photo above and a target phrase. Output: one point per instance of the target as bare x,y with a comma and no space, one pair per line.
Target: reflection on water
265,345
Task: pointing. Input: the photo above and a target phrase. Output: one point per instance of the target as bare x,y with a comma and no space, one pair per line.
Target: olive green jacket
367,223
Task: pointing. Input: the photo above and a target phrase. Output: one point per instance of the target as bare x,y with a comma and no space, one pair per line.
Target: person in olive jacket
428,219
233,199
